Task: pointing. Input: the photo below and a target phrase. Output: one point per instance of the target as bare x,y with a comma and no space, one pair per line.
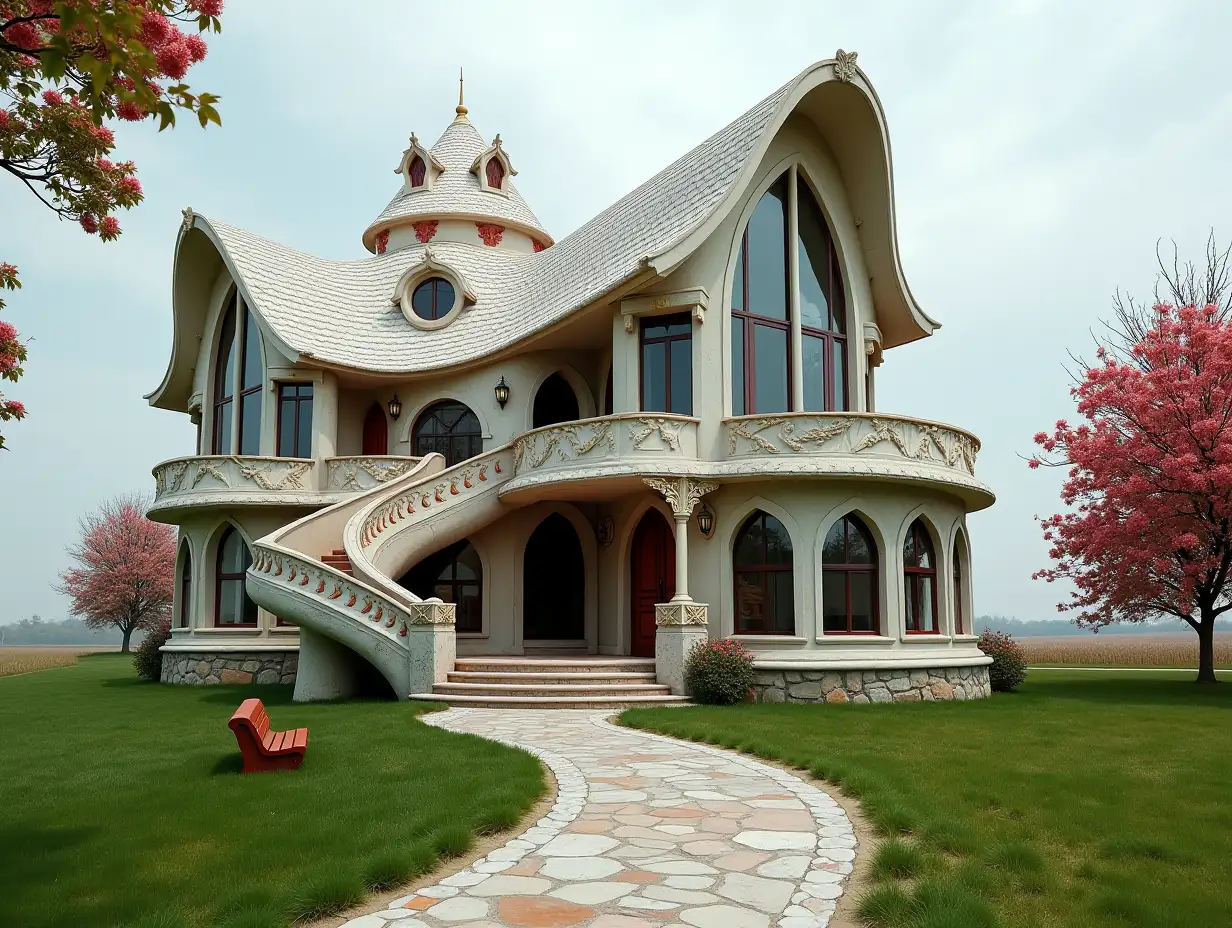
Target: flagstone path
646,832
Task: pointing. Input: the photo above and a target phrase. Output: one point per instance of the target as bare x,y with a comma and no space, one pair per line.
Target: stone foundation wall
203,667
864,686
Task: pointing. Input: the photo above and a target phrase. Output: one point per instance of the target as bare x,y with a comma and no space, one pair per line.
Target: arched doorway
376,431
555,402
448,428
652,578
554,583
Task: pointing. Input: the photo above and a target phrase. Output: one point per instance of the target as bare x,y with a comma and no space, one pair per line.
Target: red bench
266,750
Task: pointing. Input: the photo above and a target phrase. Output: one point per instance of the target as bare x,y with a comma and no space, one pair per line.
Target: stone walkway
646,832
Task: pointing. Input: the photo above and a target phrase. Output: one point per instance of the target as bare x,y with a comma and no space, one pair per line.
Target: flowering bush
147,659
719,673
1009,661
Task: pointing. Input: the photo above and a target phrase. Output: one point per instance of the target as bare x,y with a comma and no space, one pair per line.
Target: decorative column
432,643
680,623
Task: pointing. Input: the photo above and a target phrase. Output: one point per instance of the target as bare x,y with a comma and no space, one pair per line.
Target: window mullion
795,366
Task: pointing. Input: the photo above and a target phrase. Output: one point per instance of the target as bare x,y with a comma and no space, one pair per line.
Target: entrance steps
552,683
338,560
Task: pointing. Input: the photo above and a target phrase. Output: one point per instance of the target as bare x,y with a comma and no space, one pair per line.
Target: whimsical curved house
480,449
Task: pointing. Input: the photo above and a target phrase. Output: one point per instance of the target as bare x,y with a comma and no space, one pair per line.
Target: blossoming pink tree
1148,531
67,67
125,565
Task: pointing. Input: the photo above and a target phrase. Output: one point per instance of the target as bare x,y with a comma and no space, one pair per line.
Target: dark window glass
224,386
667,364
770,354
433,298
738,381
554,583
839,351
849,579
958,591
762,568
920,580
295,420
766,243
250,422
814,251
607,393
222,427
812,353
738,288
496,173
447,428
185,613
231,603
250,385
252,352
555,402
419,171
452,575
823,318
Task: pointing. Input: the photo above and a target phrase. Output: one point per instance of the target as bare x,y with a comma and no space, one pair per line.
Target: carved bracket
681,493
694,301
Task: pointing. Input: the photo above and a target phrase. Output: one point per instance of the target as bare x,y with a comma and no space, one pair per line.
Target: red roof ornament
382,242
425,229
490,233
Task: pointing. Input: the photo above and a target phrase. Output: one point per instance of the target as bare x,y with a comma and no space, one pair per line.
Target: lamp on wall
705,520
502,392
395,408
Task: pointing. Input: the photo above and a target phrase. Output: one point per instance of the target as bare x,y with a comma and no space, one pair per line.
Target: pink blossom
206,7
155,29
6,119
130,111
16,407
197,49
24,35
109,228
89,223
104,135
53,97
174,58
129,185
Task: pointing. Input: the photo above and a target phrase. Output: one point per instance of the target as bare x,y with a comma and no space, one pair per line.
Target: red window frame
763,568
495,172
224,387
914,578
847,568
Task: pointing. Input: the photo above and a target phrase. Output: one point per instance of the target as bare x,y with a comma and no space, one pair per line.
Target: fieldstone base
202,667
864,686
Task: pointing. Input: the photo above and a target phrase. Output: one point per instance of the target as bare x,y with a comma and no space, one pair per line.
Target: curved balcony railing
356,473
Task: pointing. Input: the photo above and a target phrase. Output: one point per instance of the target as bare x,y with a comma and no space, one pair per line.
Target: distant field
1171,650
25,658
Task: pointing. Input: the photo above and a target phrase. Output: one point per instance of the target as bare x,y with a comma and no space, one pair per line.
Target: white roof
456,190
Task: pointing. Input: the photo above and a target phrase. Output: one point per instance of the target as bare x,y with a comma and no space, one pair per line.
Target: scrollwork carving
263,474
344,473
681,493
567,441
642,429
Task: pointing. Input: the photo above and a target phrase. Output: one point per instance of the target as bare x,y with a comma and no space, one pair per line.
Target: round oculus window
433,299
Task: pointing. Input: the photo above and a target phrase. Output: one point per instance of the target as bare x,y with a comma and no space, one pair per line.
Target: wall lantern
502,393
705,520
395,408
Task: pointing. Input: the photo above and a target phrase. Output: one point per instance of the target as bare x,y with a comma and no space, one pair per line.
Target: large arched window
453,575
849,579
765,305
920,580
761,564
237,380
448,428
232,607
184,616
960,551
555,402
554,583
496,173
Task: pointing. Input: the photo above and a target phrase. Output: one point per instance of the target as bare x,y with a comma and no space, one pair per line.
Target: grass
1089,799
26,660
122,804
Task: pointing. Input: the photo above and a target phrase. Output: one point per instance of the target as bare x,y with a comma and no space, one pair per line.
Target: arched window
448,428
763,301
823,308
453,575
433,299
376,431
232,607
496,173
184,617
419,171
554,583
849,579
761,563
554,402
238,374
920,580
761,319
960,549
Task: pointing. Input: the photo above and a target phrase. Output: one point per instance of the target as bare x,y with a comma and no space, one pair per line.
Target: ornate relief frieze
433,614
243,475
668,431
673,615
681,493
267,477
569,442
344,473
852,434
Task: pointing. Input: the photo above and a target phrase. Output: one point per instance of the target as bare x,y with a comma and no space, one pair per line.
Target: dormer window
418,172
433,299
431,294
419,167
496,173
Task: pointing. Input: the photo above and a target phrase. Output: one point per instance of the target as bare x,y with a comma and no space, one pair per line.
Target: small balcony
183,485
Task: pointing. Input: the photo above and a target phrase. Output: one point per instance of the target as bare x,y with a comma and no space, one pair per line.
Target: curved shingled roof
456,191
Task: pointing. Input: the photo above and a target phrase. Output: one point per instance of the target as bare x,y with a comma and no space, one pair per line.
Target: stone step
550,689
554,665
466,676
551,702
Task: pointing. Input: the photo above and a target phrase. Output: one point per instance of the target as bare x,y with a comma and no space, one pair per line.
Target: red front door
652,568
376,431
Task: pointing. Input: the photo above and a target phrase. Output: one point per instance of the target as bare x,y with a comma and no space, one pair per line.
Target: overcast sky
1040,150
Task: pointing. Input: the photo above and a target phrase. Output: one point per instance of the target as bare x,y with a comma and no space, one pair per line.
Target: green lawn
1085,799
120,802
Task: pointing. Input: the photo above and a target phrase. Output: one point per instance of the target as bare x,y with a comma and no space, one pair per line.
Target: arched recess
453,574
555,401
185,587
888,567
581,392
229,555
449,428
554,582
920,515
734,520
376,431
962,616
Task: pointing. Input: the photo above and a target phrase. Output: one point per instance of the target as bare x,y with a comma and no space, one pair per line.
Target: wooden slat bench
266,750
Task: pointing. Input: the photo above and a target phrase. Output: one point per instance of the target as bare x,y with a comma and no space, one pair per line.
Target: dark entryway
376,431
554,583
652,578
555,402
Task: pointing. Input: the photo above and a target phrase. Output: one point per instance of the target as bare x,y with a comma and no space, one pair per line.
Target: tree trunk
128,634
1206,649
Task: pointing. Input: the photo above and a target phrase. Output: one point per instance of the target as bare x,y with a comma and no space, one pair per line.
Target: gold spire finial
461,110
